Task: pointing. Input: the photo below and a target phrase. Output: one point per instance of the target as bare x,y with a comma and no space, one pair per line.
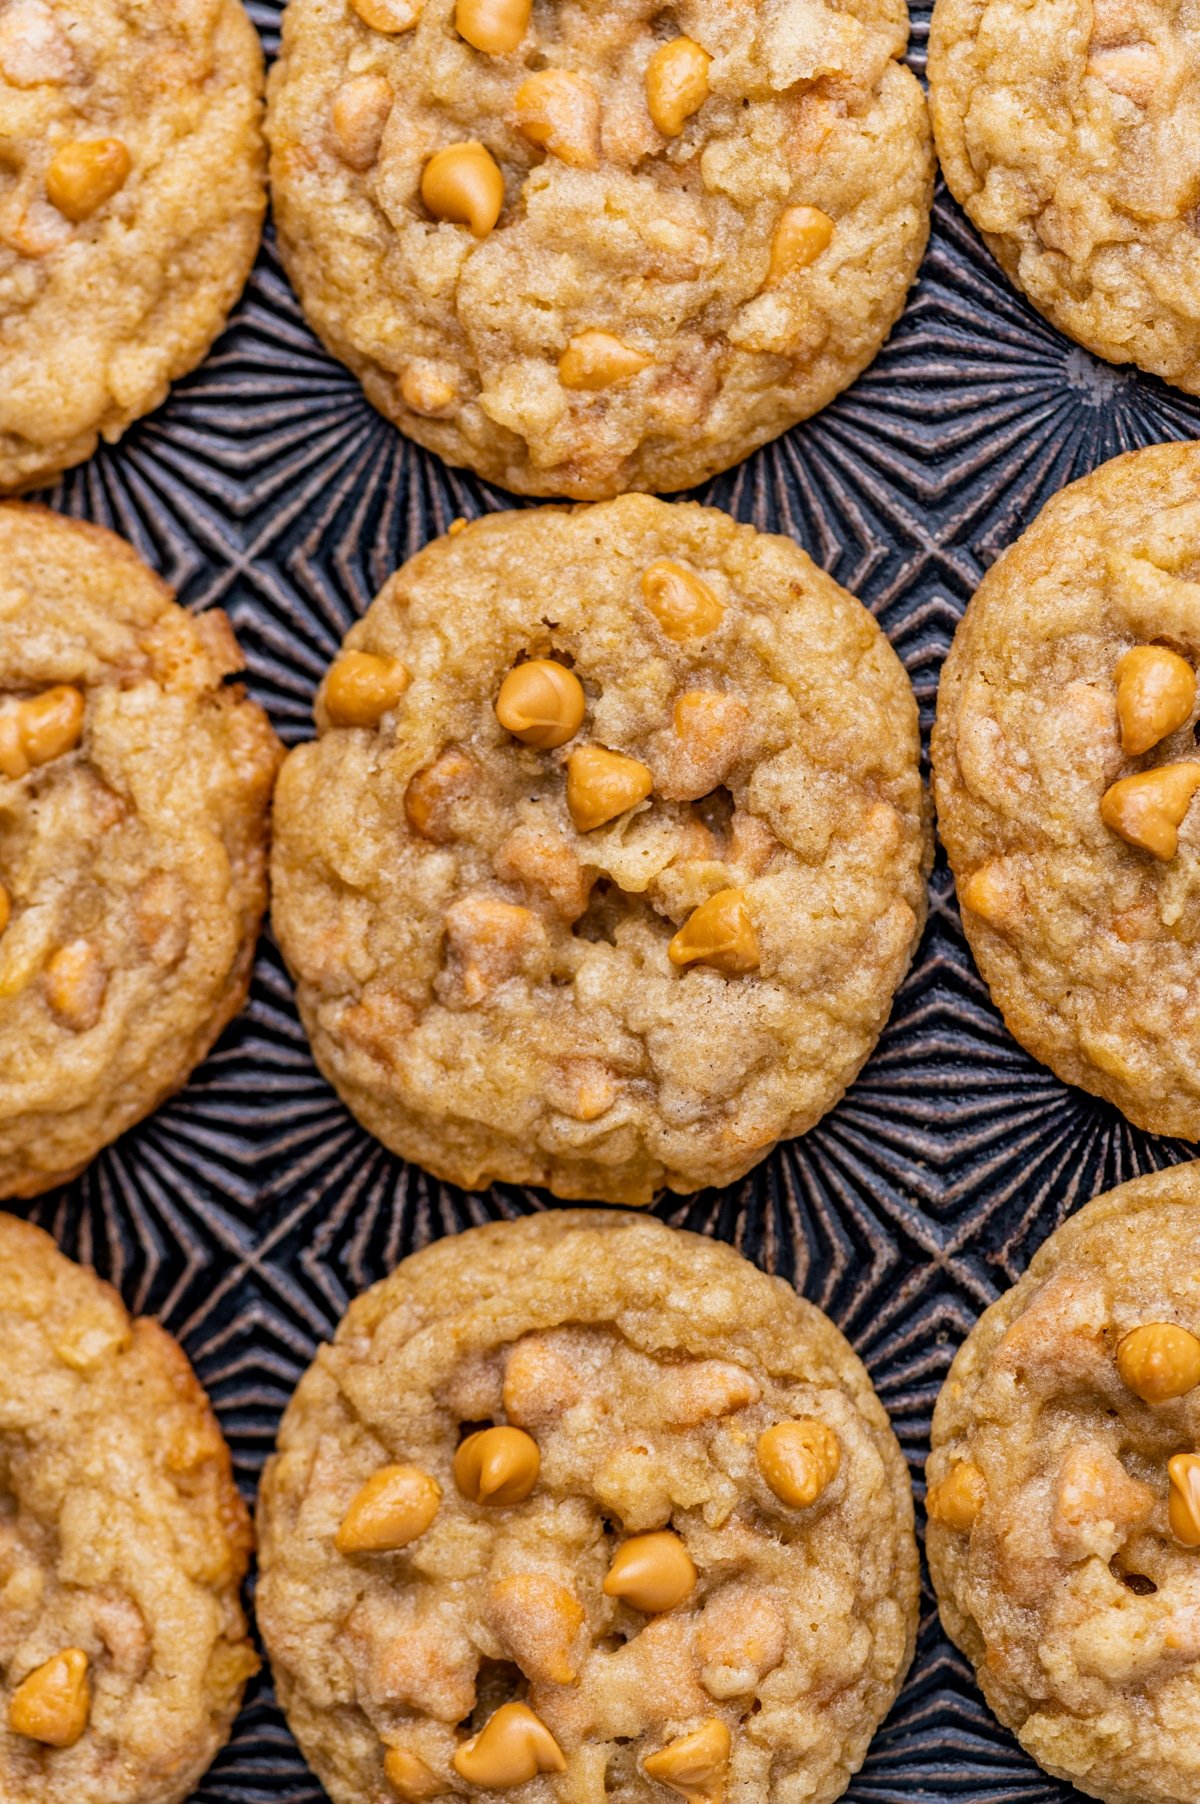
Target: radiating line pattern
251,1208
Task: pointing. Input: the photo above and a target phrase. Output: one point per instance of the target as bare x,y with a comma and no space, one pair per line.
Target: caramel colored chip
494,26
497,1466
696,1765
428,388
539,1622
993,892
720,933
40,729
464,186
53,1703
358,115
434,792
602,785
513,1746
542,703
560,112
684,607
410,1778
394,1507
957,1499
388,15
1183,1503
85,174
1147,810
651,1573
76,981
361,688
1159,1361
596,360
676,84
1156,692
800,237
799,1460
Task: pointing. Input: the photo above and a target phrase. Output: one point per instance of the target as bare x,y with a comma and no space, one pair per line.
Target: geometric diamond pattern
251,1208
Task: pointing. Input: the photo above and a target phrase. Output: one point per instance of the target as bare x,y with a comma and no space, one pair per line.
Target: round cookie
130,212
134,786
1064,1531
661,237
1067,130
642,950
693,1560
1064,764
123,1541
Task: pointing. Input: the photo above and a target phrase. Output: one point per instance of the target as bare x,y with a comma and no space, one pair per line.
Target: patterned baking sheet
249,1210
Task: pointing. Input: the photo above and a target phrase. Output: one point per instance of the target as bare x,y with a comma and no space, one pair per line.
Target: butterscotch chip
52,1703
623,323
641,898
1183,1504
464,184
1066,1533
1057,128
649,1610
131,209
1160,1361
134,785
957,1497
1076,857
123,1646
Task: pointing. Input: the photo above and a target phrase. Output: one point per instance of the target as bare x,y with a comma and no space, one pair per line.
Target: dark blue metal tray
249,1210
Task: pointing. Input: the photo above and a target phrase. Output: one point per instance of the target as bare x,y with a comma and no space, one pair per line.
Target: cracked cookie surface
1090,944
134,786
118,267
653,300
645,1364
1069,132
123,1542
644,953
1053,1538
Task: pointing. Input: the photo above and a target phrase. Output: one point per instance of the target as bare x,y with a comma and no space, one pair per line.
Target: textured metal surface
250,1209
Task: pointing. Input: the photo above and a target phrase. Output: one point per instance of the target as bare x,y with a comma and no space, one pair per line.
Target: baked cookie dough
610,854
123,1540
1068,130
673,1555
587,251
134,786
1064,1497
1065,762
132,192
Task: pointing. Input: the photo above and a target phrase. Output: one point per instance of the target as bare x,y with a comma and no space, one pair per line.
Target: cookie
134,786
1064,1496
610,853
130,211
1064,765
672,1556
123,1541
1067,131
583,253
